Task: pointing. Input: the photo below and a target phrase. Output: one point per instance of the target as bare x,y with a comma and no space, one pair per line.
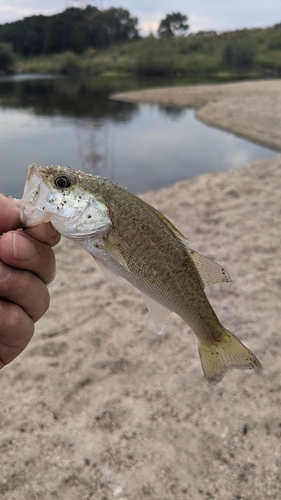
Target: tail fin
228,352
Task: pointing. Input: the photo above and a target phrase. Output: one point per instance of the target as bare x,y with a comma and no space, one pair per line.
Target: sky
218,15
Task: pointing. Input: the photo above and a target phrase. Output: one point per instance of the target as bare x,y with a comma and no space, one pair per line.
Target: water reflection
72,122
67,97
172,112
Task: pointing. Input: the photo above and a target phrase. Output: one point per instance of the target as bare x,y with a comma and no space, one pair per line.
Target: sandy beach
247,109
101,407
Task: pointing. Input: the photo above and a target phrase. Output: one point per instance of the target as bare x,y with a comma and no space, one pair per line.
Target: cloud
10,13
149,22
205,15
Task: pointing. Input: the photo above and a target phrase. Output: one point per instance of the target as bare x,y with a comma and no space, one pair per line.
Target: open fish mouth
32,186
35,196
35,208
65,209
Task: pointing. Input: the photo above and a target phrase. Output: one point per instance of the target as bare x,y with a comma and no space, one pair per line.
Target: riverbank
99,406
230,55
247,109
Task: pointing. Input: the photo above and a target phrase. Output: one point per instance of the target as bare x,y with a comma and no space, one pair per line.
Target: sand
247,109
101,407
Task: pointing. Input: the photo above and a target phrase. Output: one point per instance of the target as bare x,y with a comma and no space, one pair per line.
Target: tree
7,59
239,54
71,30
174,24
111,26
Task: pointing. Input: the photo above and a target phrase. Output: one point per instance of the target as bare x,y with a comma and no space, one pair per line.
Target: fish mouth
32,186
35,195
35,203
41,204
35,206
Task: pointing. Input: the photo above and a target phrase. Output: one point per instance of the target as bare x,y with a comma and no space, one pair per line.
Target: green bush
240,54
155,58
196,64
271,62
7,59
275,42
90,53
69,64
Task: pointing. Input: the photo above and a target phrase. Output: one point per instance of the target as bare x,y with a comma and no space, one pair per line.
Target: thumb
9,214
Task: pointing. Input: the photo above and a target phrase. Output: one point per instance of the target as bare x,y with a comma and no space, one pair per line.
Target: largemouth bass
130,239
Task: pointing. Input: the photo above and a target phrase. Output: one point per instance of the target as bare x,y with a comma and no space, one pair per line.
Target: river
71,121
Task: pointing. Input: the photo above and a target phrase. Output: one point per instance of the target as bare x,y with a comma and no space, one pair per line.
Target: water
72,122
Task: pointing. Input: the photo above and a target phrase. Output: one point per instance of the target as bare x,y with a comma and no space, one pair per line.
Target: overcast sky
219,15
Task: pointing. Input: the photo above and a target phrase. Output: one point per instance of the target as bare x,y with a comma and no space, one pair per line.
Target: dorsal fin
210,271
169,224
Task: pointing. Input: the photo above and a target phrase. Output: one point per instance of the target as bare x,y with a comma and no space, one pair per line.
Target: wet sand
101,407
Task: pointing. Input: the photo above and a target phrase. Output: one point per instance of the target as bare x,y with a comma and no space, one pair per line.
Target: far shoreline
250,109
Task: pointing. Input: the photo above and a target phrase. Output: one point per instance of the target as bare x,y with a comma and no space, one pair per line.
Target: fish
131,239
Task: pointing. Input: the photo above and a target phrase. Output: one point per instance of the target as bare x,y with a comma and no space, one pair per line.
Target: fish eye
62,181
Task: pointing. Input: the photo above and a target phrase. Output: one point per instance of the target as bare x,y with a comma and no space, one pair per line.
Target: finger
25,289
19,250
45,233
9,214
16,330
10,219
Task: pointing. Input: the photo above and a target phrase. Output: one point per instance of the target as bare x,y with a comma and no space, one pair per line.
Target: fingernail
23,248
3,270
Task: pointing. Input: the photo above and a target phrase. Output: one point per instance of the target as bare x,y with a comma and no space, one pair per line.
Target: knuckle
46,302
12,316
41,306
50,268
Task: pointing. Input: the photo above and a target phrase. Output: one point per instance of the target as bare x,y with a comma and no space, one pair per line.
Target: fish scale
171,262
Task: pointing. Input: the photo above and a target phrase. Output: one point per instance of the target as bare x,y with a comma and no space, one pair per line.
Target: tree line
72,30
96,42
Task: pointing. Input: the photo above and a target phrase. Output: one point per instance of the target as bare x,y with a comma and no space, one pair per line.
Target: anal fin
158,313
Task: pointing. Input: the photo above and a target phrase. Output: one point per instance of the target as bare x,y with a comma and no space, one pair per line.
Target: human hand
27,265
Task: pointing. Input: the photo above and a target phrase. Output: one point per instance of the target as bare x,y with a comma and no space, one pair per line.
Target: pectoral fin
158,313
210,271
115,254
108,273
